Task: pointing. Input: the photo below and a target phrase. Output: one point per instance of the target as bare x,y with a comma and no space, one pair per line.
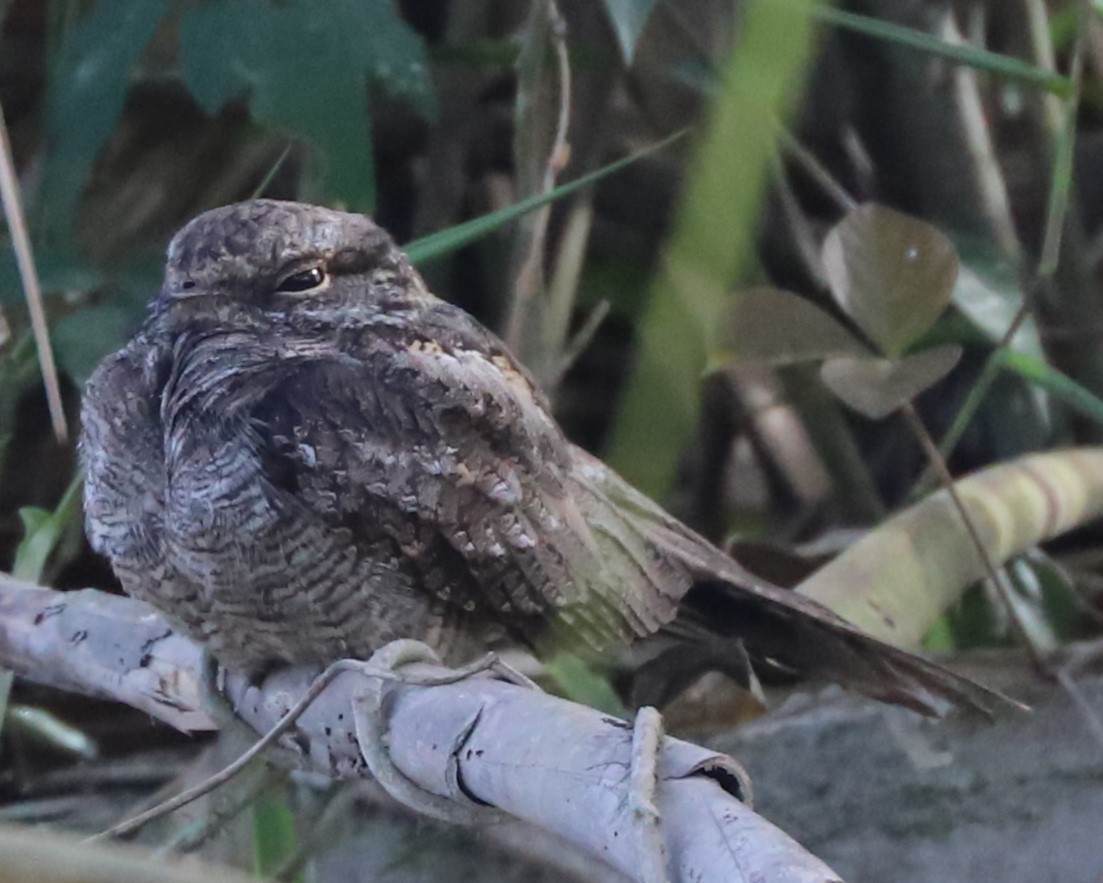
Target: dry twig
21,243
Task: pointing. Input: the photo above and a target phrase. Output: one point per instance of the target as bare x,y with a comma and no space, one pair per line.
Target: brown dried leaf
774,327
891,273
877,387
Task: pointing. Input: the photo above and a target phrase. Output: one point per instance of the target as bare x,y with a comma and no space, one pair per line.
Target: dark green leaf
1027,599
891,273
82,338
775,327
1062,605
877,387
58,270
88,88
628,18
304,65
991,299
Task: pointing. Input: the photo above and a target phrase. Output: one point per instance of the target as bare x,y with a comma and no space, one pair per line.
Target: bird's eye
305,280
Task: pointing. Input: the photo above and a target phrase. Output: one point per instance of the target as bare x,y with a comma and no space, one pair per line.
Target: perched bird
304,454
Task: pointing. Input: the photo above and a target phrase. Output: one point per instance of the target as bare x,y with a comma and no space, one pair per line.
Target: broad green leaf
891,273
82,337
991,299
774,327
305,65
59,269
877,387
628,18
88,88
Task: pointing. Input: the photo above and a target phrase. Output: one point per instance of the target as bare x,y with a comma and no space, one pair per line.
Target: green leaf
1060,599
1062,387
82,338
36,544
274,836
1027,598
580,683
877,387
891,273
1044,596
59,269
774,327
628,18
88,88
305,65
436,245
41,531
991,298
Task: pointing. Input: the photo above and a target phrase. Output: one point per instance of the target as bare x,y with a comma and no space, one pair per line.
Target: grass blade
1062,387
21,243
436,245
971,56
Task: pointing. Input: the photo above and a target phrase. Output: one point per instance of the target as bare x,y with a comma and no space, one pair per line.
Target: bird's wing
122,452
119,411
778,626
438,442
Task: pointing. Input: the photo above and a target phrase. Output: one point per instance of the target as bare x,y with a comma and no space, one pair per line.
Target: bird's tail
747,620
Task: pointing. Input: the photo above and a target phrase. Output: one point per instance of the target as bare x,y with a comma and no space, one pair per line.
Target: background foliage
718,245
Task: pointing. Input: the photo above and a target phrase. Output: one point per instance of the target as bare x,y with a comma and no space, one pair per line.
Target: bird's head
267,263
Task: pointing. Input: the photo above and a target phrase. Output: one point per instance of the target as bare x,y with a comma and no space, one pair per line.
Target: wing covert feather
452,453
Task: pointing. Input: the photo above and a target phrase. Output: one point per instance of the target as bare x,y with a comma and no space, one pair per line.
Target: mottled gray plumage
304,454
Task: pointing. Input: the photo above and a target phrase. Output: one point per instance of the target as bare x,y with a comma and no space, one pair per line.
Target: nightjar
304,454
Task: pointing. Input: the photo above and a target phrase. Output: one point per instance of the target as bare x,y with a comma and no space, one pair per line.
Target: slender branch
21,243
529,278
